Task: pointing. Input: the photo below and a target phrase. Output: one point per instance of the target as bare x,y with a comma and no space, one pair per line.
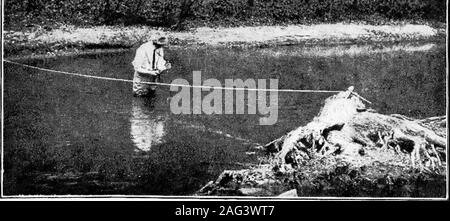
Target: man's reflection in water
147,127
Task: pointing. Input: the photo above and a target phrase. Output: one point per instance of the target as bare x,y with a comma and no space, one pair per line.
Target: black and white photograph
224,100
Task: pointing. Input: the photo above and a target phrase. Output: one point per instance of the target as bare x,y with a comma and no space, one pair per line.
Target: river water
73,135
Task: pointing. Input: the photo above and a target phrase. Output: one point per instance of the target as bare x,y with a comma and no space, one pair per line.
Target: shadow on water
69,135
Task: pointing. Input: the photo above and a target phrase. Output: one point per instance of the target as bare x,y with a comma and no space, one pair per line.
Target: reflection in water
347,50
147,128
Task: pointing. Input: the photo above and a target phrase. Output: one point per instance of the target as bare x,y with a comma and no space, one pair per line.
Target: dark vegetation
181,14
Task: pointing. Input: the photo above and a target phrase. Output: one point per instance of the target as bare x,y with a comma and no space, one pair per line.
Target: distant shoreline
72,40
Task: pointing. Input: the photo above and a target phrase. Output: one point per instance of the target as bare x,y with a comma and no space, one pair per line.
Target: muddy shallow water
72,135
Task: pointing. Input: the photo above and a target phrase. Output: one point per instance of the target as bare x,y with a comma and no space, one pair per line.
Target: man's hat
161,41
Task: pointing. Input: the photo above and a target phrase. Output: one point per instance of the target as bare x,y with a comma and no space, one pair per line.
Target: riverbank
38,41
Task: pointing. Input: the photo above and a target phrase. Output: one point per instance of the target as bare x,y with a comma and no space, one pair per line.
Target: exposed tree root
348,150
344,126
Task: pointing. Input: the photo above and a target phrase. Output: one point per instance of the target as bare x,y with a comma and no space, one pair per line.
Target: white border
446,79
198,198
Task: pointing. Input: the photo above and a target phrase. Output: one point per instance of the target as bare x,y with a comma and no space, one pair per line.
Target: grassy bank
183,14
35,27
74,39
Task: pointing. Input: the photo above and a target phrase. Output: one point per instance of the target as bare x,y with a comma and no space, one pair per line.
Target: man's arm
162,64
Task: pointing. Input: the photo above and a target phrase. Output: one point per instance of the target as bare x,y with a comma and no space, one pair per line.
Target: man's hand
150,72
168,65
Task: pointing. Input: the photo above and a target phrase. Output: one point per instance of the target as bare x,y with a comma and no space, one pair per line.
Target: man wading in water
148,64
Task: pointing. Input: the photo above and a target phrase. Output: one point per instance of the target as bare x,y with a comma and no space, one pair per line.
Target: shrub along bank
180,14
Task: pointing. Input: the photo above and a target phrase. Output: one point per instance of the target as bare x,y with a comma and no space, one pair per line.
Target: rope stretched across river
178,85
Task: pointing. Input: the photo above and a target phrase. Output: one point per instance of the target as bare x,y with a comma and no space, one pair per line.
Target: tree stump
348,150
345,127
